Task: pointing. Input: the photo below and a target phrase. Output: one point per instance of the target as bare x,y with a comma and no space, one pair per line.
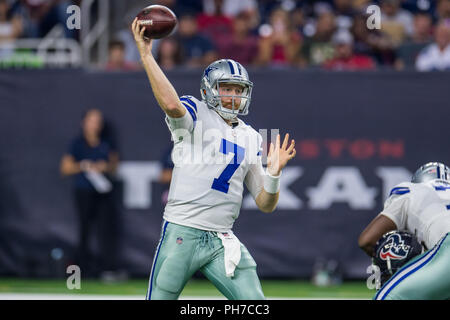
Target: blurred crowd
33,18
323,34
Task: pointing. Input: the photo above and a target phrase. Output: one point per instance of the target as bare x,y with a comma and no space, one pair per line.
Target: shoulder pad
190,101
401,188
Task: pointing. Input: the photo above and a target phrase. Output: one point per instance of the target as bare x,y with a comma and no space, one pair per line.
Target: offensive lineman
421,207
205,197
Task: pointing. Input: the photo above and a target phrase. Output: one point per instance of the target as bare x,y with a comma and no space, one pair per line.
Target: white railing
95,38
51,51
54,50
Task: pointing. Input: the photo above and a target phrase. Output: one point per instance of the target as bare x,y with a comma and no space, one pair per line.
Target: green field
195,288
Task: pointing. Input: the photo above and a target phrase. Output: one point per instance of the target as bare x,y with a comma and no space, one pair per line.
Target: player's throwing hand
144,45
279,156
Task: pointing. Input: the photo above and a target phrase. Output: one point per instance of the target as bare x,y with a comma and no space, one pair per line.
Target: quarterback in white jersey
215,153
216,159
421,207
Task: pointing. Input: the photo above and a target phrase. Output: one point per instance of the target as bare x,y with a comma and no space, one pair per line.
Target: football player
205,196
422,208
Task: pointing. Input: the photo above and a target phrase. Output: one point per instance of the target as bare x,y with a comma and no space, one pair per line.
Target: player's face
230,90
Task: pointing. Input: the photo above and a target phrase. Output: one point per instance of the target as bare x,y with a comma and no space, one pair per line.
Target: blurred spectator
10,25
186,6
442,10
130,50
344,57
169,54
344,13
232,8
436,56
216,24
92,162
395,21
171,4
198,50
422,36
422,6
10,29
318,48
279,43
40,16
298,19
361,4
116,58
372,42
241,46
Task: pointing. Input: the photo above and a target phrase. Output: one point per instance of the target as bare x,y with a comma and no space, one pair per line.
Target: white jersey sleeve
422,209
396,205
254,180
186,122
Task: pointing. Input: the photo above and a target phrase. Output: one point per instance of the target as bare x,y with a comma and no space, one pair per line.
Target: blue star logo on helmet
208,70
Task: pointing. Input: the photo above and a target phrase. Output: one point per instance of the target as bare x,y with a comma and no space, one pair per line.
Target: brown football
159,21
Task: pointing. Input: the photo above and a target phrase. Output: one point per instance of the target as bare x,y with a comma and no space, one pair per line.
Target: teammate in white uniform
421,207
214,154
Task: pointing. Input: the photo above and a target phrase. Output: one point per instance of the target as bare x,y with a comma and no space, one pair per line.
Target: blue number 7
221,183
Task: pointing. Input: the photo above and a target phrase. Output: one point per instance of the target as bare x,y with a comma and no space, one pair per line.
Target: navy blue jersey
81,150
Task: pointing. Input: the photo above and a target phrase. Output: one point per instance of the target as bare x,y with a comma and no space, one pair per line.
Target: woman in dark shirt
92,161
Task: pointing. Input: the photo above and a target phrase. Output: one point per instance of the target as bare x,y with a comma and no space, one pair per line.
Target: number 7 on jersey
222,182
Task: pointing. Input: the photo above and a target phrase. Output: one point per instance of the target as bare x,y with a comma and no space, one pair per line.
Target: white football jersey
421,208
212,161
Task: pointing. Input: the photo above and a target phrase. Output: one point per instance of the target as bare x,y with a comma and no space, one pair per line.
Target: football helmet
431,171
230,72
393,250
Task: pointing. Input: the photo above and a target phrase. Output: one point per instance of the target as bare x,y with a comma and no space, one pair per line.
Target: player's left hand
278,156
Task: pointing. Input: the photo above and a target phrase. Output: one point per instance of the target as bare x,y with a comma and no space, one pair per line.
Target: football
159,21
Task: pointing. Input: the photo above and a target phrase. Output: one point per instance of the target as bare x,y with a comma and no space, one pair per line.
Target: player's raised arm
277,159
163,90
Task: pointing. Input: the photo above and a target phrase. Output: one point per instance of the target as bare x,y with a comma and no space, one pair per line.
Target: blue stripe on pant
150,285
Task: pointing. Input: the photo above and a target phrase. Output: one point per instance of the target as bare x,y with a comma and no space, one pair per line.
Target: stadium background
360,129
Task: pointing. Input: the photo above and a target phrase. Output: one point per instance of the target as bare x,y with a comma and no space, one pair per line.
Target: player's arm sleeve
396,206
186,122
254,180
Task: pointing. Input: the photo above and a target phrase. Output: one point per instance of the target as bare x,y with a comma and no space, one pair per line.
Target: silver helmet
431,171
230,72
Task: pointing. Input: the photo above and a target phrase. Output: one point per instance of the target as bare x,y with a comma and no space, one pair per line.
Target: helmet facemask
239,103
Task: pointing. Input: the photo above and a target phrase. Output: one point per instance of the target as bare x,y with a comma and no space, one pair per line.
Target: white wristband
271,183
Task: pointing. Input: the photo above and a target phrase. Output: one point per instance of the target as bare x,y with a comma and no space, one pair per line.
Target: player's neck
232,123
